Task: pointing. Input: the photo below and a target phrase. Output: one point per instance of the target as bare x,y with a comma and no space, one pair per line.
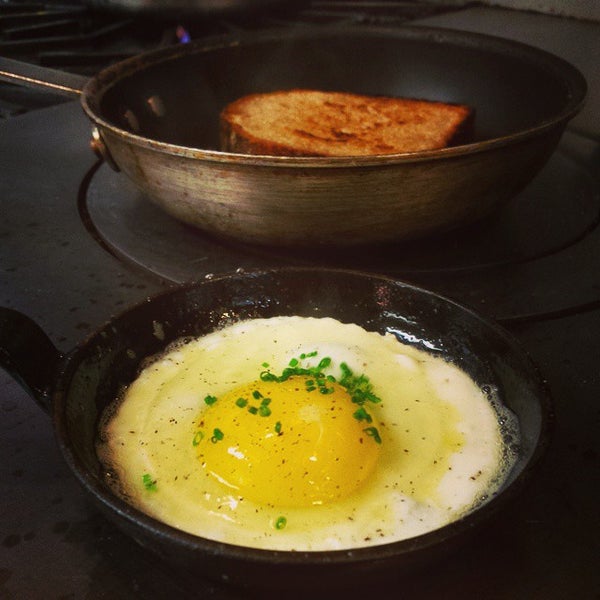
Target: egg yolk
286,443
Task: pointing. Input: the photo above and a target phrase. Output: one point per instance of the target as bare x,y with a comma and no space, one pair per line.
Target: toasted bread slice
315,123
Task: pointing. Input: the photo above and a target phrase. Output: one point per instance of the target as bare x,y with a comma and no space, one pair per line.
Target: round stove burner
506,266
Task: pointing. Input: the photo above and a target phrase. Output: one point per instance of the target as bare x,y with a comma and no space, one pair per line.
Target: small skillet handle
31,75
28,355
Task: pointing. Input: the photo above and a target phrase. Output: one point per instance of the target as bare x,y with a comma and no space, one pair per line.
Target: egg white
150,433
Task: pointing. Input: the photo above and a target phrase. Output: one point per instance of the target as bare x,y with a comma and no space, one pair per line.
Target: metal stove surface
508,264
54,202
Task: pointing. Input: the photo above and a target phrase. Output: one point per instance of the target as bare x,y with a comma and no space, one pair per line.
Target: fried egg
295,433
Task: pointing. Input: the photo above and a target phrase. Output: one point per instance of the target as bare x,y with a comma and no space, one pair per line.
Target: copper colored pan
156,118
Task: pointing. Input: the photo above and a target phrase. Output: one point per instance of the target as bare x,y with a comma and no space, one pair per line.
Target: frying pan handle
28,355
61,82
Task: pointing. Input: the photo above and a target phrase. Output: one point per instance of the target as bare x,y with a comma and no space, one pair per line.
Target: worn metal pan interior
95,373
173,96
159,115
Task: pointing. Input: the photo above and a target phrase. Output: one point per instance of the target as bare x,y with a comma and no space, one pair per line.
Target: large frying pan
75,389
156,118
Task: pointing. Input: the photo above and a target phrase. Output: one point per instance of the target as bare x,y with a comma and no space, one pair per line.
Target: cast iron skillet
75,389
157,120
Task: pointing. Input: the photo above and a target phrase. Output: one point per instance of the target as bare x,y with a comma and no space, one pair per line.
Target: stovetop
78,245
497,264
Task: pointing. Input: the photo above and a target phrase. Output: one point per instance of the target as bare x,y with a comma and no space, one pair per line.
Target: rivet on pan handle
99,147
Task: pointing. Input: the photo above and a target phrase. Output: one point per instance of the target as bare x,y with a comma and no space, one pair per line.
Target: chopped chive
358,397
217,436
149,483
345,369
267,376
362,415
372,397
197,438
280,523
210,399
358,387
372,431
286,374
264,410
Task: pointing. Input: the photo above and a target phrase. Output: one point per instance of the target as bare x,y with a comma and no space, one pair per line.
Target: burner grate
68,37
76,38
